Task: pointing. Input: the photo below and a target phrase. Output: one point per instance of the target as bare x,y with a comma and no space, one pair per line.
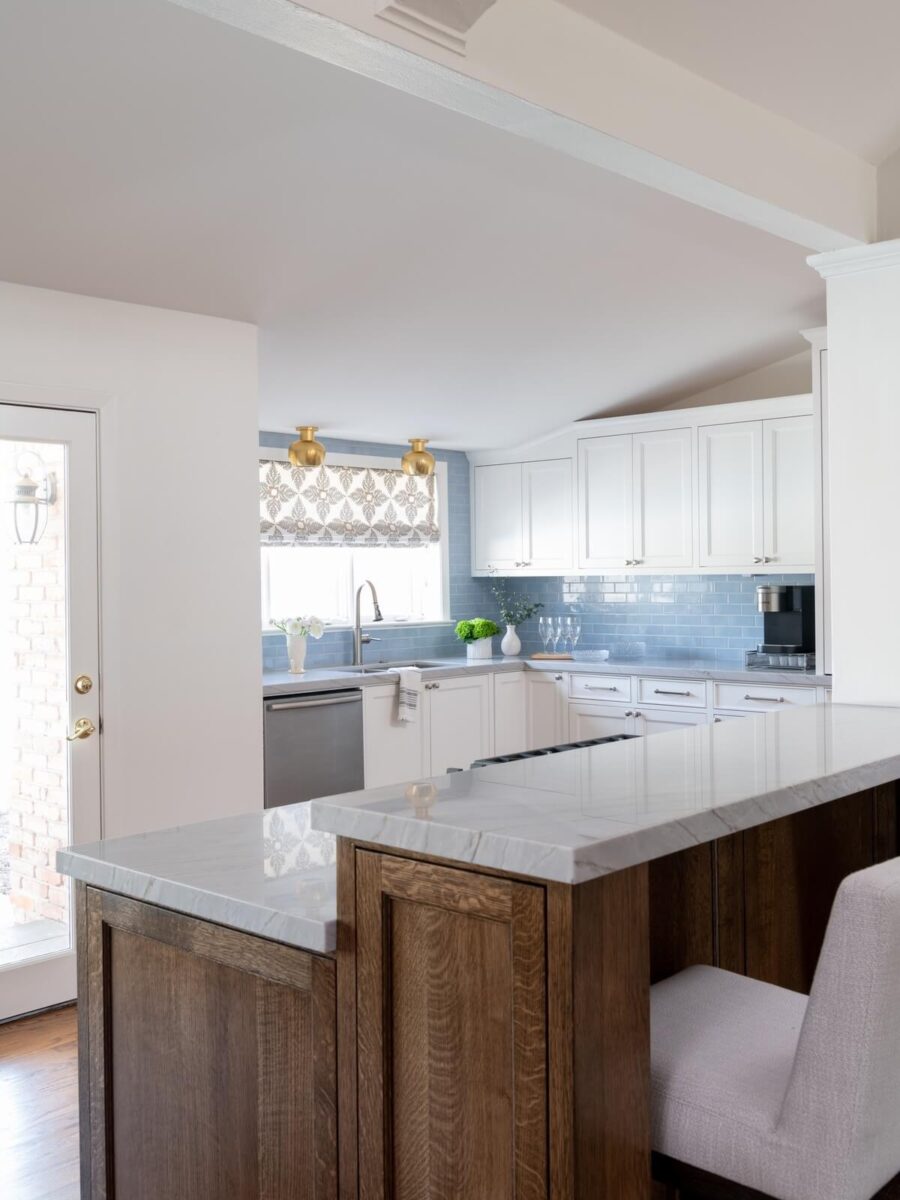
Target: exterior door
49,691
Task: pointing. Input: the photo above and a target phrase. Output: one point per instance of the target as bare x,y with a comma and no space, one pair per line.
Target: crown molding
854,260
444,22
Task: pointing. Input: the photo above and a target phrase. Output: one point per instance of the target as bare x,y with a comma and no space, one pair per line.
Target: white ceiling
828,65
413,272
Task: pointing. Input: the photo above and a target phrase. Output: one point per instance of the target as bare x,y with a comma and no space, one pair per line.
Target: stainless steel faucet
361,639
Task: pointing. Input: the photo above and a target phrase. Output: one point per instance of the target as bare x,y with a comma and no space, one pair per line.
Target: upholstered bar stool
790,1097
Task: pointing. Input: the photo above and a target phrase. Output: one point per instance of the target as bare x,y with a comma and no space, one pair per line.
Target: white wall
177,396
864,480
787,377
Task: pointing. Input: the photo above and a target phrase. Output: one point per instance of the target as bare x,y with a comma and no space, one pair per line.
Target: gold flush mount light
306,452
418,461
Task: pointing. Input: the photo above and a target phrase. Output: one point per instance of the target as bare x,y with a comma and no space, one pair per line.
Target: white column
864,469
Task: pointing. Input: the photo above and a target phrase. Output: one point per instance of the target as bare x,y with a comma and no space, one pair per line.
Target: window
410,580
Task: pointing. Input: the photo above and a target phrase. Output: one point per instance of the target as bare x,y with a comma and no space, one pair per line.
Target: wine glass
556,629
573,632
545,625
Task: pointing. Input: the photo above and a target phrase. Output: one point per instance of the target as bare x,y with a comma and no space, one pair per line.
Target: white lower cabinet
510,712
459,722
394,750
588,719
546,709
664,720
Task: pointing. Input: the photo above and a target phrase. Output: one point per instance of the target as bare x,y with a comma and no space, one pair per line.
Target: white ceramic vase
296,648
511,644
483,648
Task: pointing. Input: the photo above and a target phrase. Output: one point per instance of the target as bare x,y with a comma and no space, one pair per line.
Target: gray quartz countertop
280,683
265,873
584,813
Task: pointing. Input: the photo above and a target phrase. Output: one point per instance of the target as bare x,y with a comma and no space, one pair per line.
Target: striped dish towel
410,685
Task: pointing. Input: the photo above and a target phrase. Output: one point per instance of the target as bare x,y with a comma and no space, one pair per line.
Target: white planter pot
296,648
483,648
511,644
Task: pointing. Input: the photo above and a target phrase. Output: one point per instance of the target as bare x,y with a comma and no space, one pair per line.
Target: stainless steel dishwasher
313,745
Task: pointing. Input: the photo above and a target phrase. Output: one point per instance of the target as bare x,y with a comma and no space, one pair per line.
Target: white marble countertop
266,873
279,683
575,816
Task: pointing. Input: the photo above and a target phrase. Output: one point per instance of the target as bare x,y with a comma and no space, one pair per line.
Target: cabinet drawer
683,693
615,688
758,697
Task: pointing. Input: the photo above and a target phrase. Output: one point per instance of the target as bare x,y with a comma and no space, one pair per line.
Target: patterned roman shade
345,506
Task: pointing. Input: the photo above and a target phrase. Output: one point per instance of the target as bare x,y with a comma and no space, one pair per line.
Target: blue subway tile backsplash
712,617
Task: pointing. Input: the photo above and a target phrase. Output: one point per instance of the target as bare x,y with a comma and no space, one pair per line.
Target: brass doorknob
83,684
84,727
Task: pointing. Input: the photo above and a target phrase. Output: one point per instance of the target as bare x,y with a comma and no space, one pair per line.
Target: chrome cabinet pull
664,692
766,699
285,705
599,687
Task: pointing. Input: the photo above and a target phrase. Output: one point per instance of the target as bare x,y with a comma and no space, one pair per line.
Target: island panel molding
166,1000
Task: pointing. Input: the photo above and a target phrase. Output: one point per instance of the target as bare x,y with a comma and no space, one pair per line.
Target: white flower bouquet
301,626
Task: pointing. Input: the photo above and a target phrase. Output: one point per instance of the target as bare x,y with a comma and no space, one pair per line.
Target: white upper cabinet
730,487
731,494
498,525
522,517
606,502
789,492
547,514
663,498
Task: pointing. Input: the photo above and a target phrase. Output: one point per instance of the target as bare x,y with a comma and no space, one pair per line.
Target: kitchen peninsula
480,1030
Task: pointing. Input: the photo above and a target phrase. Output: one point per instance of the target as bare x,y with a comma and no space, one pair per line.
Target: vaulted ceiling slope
828,65
412,272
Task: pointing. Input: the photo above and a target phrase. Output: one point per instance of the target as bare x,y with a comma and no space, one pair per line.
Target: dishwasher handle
320,702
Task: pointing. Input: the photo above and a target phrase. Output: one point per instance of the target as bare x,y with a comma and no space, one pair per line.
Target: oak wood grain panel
792,870
682,911
347,1095
451,1034
611,1017
887,827
731,937
205,1078
430,884
561,1040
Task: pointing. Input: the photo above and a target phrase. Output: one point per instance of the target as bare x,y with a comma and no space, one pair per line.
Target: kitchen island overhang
483,1028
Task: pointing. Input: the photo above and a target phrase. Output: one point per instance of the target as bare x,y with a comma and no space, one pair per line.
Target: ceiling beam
323,37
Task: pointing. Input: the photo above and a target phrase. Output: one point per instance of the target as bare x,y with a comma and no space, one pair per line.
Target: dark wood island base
488,1038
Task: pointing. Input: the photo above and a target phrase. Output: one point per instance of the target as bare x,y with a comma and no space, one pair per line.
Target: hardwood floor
39,1107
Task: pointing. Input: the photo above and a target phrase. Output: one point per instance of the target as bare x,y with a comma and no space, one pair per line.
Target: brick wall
35,688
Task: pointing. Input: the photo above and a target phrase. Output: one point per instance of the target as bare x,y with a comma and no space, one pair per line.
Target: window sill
433,624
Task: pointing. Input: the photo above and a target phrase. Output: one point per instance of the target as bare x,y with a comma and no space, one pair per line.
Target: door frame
50,980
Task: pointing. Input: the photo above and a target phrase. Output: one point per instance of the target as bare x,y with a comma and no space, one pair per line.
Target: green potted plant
478,636
513,611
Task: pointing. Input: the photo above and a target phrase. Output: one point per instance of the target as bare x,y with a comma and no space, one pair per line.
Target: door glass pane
34,770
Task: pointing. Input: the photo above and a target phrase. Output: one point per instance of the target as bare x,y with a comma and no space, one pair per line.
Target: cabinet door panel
547,710
789,491
665,720
510,718
606,502
547,494
498,517
451,981
731,494
394,749
459,723
663,498
588,720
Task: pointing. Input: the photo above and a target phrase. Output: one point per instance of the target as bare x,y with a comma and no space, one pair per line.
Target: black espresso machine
789,628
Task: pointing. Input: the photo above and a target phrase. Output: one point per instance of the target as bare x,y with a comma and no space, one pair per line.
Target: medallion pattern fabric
345,506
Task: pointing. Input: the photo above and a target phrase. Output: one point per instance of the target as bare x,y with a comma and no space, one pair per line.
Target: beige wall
788,377
177,396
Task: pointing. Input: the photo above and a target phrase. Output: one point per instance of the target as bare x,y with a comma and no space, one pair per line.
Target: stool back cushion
844,1091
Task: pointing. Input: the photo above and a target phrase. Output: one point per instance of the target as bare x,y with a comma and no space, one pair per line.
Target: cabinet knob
756,559
558,678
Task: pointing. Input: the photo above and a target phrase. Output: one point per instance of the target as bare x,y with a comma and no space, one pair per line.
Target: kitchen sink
382,668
